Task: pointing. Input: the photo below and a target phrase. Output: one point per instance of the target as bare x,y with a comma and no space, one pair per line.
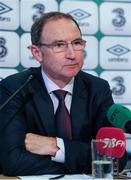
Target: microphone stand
116,168
30,77
15,93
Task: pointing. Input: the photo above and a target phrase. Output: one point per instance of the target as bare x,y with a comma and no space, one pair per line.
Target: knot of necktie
60,94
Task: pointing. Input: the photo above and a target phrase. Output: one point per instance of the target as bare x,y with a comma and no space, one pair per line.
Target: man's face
61,65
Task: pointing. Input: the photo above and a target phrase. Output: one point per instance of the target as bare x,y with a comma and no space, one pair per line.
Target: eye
78,42
60,44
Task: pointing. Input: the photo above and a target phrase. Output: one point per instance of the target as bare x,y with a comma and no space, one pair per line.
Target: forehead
60,29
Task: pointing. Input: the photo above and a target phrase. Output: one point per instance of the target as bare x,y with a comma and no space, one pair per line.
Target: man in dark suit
29,142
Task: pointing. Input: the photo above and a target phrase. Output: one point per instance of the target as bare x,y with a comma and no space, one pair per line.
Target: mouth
72,65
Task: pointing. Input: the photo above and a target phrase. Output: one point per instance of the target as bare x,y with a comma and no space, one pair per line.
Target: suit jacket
31,110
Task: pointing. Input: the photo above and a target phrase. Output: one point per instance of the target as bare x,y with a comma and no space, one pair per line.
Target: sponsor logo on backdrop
40,9
118,50
79,15
119,21
120,88
3,49
4,9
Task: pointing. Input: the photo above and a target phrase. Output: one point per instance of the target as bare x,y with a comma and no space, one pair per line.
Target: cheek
57,60
52,62
48,58
80,58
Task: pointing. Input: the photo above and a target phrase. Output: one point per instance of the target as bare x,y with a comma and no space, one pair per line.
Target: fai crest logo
40,9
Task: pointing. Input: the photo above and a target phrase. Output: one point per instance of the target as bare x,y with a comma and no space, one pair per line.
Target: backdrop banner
105,25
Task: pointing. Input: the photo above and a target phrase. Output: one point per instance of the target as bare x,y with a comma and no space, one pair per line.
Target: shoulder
95,87
91,83
91,79
16,80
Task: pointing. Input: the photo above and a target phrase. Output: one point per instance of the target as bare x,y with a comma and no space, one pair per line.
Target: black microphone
120,117
16,92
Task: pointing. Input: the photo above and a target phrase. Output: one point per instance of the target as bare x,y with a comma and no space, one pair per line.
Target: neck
61,82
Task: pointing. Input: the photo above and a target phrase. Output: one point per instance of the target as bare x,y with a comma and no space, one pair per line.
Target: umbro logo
4,8
118,50
79,14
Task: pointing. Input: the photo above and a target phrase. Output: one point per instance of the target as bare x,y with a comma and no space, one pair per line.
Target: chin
72,73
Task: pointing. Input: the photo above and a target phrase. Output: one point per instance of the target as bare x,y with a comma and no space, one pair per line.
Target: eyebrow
57,41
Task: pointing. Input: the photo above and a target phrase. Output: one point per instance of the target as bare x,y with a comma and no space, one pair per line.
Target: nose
70,53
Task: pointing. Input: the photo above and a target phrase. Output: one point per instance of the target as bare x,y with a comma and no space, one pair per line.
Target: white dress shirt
51,86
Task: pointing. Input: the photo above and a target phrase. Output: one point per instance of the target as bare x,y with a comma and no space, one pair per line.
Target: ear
36,53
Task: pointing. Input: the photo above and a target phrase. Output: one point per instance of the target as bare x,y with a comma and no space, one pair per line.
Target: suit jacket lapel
45,107
44,104
79,107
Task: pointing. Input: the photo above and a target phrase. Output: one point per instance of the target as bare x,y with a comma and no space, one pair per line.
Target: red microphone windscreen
117,139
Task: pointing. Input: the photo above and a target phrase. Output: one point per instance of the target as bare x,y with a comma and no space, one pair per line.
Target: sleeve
60,154
14,158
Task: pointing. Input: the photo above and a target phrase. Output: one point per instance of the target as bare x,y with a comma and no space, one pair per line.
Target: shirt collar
51,86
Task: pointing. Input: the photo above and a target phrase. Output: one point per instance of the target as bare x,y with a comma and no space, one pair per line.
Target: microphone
113,144
111,139
16,92
120,117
